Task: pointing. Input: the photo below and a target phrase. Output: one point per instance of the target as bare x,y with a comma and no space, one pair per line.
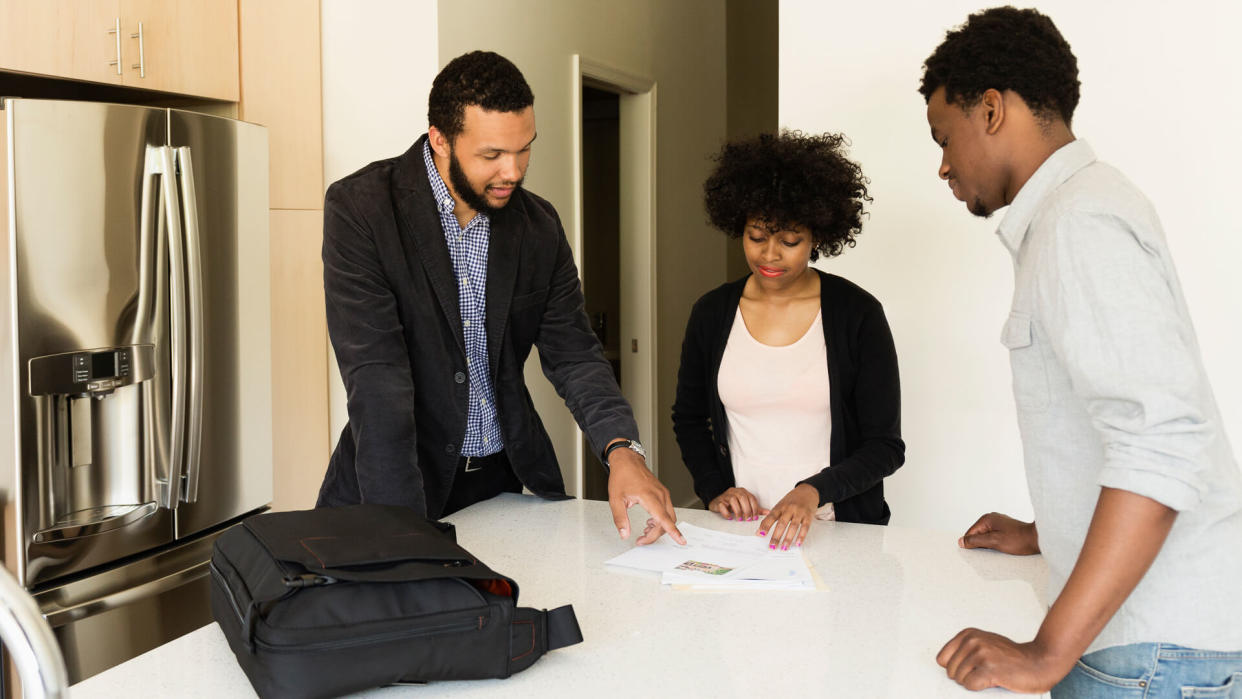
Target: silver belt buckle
470,470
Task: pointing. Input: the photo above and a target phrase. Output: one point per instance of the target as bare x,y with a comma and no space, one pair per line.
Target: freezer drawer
107,618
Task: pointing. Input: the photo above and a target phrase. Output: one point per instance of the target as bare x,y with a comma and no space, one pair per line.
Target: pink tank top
780,418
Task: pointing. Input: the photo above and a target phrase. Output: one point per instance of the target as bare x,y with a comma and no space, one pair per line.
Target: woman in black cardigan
790,198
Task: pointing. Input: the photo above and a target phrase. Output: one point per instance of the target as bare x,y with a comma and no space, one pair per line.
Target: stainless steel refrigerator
135,363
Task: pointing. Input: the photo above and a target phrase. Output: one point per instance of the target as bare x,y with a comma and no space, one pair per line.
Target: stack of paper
719,561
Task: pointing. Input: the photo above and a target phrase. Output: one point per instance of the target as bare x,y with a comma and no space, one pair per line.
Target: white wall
1159,100
379,58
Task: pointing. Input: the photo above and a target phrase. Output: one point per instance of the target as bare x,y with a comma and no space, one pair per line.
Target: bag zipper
297,582
228,591
308,580
476,623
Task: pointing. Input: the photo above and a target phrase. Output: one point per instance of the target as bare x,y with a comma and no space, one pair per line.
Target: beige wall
379,58
681,45
753,33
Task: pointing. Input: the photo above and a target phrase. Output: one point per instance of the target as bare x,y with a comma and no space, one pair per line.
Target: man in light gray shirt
1137,496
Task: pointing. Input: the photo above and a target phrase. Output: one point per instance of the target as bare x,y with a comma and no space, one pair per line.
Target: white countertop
894,597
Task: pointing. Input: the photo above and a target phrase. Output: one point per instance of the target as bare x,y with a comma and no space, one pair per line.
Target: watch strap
623,444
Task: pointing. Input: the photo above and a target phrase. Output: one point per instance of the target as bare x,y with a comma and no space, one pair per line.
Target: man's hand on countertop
980,659
629,484
1002,533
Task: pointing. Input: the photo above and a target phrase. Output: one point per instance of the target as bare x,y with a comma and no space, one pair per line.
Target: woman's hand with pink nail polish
789,522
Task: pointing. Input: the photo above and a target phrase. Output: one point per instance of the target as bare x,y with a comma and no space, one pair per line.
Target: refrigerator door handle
148,226
152,246
177,321
194,277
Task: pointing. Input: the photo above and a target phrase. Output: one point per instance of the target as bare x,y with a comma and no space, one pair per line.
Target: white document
716,560
728,550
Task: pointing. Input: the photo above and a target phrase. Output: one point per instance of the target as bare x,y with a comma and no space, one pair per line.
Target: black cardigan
865,399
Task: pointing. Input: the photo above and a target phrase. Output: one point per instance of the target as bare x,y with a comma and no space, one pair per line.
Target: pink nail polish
763,533
785,547
772,546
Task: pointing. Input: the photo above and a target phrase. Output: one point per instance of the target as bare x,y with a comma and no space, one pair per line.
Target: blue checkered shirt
468,250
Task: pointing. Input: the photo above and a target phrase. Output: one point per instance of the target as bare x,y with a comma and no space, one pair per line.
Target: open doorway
601,243
613,235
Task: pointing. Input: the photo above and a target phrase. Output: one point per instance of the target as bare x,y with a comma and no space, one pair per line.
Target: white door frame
638,248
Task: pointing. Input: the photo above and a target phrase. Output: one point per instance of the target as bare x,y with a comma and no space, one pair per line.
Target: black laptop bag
320,603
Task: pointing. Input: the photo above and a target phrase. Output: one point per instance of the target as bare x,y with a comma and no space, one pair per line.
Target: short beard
464,191
978,208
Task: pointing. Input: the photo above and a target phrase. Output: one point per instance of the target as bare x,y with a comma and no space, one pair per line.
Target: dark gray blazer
393,320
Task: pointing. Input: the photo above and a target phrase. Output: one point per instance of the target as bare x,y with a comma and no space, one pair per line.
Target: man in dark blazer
440,273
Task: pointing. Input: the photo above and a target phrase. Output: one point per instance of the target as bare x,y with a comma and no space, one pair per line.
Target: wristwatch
631,444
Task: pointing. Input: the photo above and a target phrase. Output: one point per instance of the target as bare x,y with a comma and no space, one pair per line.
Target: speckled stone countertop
894,596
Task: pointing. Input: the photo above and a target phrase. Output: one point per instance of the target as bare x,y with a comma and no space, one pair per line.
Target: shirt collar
444,200
1059,167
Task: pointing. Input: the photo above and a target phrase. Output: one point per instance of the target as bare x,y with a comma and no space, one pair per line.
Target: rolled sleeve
1115,322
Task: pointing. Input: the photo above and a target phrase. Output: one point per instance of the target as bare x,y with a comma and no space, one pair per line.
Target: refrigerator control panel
91,372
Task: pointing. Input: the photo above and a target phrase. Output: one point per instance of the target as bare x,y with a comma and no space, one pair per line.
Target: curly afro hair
480,78
787,180
1007,49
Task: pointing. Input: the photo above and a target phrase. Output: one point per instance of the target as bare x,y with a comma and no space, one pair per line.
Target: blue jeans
1153,671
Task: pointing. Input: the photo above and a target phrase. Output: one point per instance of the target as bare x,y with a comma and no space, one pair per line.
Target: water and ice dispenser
96,439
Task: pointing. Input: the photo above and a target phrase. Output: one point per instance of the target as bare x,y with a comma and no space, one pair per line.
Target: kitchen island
890,597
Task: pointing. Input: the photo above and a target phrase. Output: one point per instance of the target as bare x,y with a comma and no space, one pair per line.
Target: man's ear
439,142
993,105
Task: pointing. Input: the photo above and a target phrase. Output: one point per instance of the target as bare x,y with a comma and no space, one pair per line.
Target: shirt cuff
1165,489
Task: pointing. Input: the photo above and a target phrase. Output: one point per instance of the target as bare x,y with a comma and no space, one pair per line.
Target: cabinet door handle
116,30
141,65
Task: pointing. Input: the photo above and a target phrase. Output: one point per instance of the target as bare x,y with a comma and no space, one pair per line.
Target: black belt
470,464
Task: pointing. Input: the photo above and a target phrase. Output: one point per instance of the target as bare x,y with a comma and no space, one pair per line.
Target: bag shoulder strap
534,632
563,628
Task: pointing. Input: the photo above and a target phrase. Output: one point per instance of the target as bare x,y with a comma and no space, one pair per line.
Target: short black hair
1005,48
480,78
786,180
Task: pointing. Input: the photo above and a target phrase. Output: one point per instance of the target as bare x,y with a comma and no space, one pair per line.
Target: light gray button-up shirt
1111,392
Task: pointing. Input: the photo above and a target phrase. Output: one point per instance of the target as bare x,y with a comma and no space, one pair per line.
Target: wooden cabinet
65,38
299,360
280,88
187,47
